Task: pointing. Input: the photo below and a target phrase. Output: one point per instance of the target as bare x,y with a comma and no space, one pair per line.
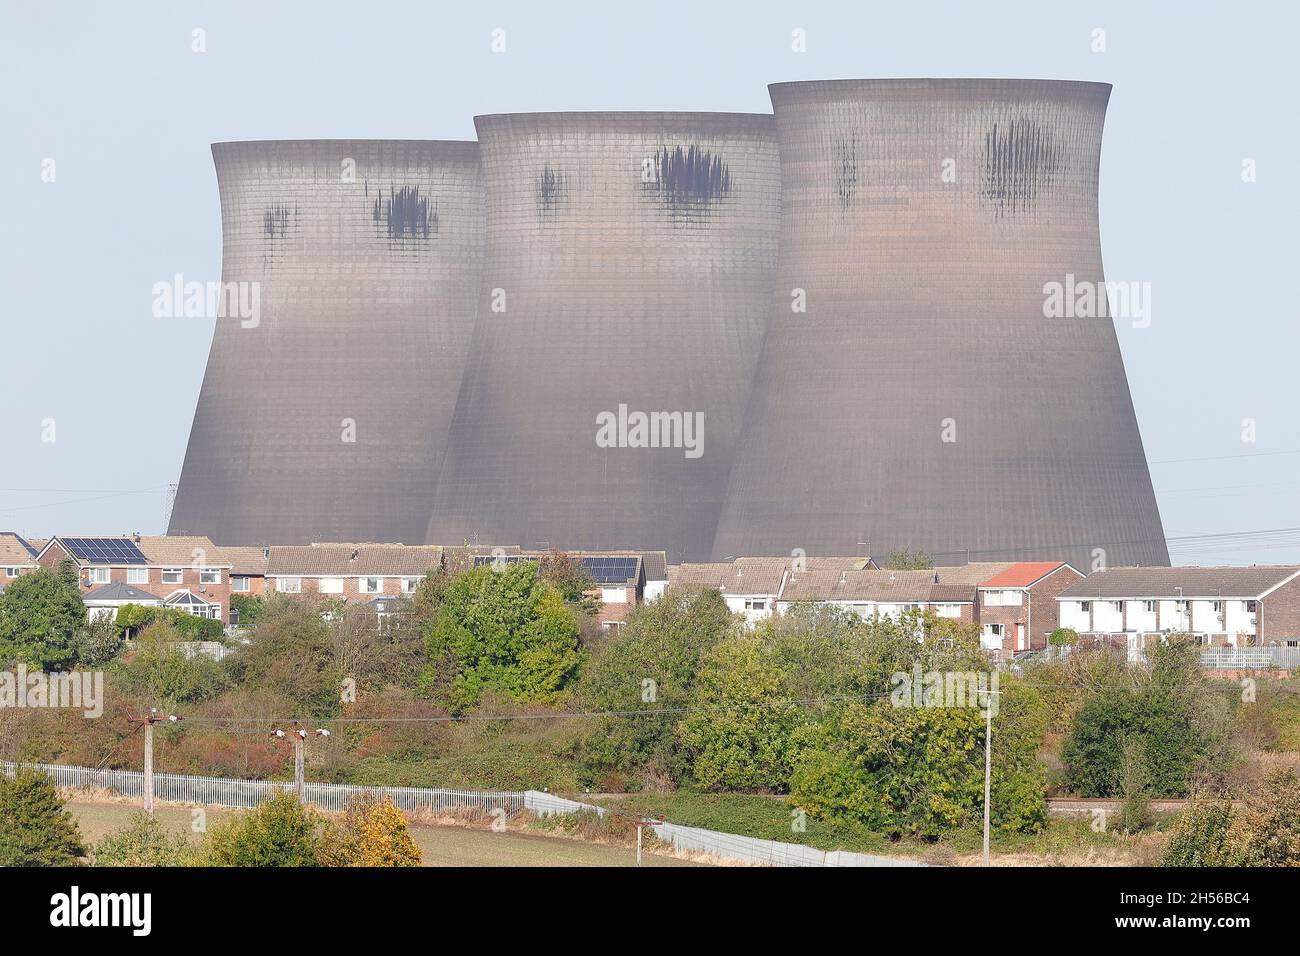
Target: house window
948,610
1149,606
1218,607
1085,606
289,585
172,575
11,572
611,626
372,585
97,575
410,585
331,585
755,604
1251,607
240,585
137,575
209,575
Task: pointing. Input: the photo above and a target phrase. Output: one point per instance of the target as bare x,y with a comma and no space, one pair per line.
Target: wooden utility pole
147,722
299,786
988,772
148,766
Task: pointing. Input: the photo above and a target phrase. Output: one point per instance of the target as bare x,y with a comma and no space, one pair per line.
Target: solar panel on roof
105,550
610,570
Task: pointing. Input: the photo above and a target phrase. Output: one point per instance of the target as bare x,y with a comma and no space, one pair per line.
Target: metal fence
246,794
729,846
1251,658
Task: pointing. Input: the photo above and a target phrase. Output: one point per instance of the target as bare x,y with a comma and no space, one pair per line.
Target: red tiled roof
1022,575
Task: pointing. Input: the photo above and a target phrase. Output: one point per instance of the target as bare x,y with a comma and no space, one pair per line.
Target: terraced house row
1016,605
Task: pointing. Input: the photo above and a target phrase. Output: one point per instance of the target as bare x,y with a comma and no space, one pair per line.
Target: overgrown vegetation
482,681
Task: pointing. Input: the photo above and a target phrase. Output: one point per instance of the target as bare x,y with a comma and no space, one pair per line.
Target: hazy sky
115,95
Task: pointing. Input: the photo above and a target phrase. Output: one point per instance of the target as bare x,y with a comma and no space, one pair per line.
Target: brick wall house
1017,607
167,567
17,557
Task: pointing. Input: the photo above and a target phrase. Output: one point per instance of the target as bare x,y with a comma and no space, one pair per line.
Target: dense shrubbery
504,630
132,618
35,827
1265,833
143,842
1182,728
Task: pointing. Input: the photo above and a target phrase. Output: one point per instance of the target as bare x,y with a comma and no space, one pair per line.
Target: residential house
188,572
351,572
17,556
750,586
1017,607
880,593
248,570
1257,605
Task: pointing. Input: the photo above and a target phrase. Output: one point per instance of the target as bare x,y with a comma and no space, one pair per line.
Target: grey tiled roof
887,587
1247,582
117,591
346,560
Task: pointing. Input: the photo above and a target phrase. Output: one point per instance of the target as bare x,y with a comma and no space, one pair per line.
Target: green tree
157,670
143,842
567,575
36,828
250,609
292,654
1183,728
737,735
651,664
280,832
41,618
919,771
502,629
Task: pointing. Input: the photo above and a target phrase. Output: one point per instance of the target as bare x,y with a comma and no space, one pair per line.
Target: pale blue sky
113,93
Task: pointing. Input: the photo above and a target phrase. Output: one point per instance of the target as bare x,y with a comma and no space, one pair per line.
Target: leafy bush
1063,637
41,618
502,629
650,665
919,771
36,828
280,832
157,670
99,642
1269,826
373,832
250,609
143,842
1202,836
1183,729
132,618
737,736
291,652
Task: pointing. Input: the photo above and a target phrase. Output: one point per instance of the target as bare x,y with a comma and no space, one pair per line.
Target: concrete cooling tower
912,390
324,418
625,292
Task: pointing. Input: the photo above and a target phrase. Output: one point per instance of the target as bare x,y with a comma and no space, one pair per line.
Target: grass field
439,846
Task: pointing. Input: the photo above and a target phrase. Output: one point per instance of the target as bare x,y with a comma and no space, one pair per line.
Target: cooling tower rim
954,87
446,150
613,121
